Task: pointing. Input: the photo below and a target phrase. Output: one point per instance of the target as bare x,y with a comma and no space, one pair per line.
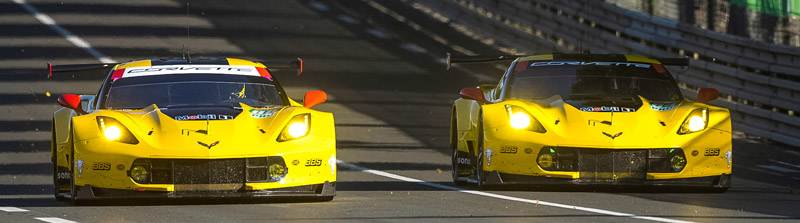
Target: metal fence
774,21
760,82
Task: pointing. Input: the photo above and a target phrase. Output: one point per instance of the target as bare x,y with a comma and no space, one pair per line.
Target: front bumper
497,178
327,189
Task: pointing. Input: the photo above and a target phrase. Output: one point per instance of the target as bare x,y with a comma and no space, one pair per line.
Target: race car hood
651,125
203,132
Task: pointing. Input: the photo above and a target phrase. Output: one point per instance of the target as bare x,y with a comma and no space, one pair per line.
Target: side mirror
473,94
707,94
314,98
71,101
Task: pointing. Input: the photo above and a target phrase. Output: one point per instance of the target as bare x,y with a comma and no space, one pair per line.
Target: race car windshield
193,93
597,81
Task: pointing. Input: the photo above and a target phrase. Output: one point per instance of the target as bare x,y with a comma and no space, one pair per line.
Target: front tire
480,174
57,192
454,149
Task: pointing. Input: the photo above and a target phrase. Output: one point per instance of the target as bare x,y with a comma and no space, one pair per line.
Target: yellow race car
589,119
199,128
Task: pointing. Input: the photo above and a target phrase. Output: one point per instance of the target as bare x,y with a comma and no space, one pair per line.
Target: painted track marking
12,209
55,220
72,38
504,197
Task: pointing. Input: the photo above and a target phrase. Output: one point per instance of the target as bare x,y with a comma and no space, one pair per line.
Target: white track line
504,197
72,38
12,209
55,220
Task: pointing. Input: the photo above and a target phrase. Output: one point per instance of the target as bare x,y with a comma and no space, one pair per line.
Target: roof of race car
229,66
589,57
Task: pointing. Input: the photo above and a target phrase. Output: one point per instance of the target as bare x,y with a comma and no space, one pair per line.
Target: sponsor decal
190,69
488,155
712,152
662,107
295,162
582,63
314,162
607,109
64,176
262,113
79,166
203,117
462,160
208,145
508,149
729,157
332,163
101,166
612,136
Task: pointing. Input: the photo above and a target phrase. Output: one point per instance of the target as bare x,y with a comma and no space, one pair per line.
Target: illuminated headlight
518,118
139,173
112,133
298,126
277,171
113,130
695,122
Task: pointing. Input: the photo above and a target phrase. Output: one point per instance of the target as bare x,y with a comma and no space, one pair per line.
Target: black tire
56,184
480,174
454,149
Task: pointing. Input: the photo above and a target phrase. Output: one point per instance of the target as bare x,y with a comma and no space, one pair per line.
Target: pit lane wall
759,82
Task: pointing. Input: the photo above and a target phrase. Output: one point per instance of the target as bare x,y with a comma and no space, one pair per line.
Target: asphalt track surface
390,94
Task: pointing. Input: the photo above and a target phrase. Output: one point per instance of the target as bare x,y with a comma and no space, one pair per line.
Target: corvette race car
199,128
589,119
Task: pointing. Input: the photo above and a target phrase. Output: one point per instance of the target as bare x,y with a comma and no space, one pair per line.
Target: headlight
695,122
677,160
277,171
139,173
298,126
113,130
518,118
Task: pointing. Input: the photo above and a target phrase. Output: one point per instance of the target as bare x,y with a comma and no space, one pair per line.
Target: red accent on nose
117,74
264,72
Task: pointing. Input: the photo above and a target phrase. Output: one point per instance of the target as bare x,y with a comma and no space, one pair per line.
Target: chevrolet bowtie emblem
612,136
207,145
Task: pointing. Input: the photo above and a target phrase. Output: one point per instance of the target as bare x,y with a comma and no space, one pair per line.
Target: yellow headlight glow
112,132
696,123
520,120
298,129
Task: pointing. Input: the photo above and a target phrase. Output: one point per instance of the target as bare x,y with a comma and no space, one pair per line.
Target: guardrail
760,82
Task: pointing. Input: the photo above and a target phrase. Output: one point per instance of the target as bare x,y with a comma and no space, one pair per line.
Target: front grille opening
208,171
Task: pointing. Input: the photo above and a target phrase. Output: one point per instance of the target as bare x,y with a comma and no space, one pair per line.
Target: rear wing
75,68
673,61
478,59
450,59
296,64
